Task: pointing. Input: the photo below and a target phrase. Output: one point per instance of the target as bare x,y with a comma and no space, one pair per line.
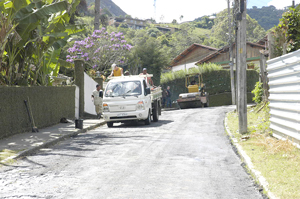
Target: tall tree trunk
97,15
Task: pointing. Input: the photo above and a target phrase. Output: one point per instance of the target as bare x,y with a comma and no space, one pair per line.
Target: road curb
32,150
247,160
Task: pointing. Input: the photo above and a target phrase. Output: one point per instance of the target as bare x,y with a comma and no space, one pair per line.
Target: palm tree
181,17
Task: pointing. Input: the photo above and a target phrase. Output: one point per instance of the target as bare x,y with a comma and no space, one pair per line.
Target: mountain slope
112,7
109,5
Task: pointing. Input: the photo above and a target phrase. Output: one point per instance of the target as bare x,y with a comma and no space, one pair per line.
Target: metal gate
284,83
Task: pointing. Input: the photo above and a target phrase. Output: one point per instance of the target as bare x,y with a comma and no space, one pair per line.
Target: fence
48,106
284,83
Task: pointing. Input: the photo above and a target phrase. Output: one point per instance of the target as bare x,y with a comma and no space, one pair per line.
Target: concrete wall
284,83
184,66
89,87
48,105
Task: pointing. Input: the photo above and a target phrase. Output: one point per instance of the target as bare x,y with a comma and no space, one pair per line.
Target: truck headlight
140,105
105,107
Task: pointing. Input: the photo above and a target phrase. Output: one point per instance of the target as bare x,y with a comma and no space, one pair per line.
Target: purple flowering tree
101,49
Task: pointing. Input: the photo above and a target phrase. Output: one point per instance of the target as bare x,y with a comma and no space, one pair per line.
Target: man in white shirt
97,97
149,80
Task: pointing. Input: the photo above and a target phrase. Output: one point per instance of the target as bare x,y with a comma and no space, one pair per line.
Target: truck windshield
122,89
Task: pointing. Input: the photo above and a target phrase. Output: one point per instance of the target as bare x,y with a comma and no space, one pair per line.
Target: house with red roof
221,56
198,54
189,57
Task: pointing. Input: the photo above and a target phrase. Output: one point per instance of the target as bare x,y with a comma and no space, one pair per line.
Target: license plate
122,114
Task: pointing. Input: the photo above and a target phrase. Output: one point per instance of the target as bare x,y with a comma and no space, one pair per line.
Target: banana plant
42,29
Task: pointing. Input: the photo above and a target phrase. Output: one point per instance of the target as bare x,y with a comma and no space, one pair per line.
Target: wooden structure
221,56
190,56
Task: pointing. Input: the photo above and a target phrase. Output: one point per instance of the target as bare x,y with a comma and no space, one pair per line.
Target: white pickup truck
129,98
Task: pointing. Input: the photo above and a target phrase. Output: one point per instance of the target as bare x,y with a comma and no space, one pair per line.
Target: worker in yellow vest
116,71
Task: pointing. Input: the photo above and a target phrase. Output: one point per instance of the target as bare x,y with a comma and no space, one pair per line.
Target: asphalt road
185,155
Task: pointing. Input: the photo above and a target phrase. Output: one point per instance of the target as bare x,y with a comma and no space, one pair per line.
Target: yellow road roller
196,96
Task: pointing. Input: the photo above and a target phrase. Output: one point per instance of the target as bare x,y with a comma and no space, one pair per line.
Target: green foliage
267,16
258,92
204,22
26,49
254,31
288,32
42,35
182,39
292,17
150,54
153,32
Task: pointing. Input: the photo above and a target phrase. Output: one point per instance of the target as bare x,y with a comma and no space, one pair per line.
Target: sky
167,10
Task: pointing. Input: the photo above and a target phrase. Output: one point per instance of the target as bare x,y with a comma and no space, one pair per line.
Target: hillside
267,17
109,5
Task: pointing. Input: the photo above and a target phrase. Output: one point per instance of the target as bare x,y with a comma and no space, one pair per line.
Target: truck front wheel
148,120
155,112
110,124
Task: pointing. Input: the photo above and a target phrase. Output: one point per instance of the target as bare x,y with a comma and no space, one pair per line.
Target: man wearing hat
116,71
149,80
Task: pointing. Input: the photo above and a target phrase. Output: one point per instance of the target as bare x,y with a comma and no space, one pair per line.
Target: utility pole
293,3
271,45
242,66
230,56
236,10
97,15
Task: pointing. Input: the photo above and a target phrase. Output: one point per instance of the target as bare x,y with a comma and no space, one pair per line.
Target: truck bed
156,93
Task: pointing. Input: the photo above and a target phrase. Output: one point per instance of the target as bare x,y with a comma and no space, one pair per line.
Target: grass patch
277,160
6,153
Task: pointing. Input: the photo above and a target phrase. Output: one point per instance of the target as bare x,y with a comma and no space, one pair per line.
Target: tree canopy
267,16
254,31
288,32
40,37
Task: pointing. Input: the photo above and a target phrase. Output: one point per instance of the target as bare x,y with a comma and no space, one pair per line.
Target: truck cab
127,98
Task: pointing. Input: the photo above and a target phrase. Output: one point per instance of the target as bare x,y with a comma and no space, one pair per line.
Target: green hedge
48,105
222,99
216,81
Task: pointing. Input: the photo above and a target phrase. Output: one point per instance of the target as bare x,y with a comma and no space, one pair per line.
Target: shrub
258,92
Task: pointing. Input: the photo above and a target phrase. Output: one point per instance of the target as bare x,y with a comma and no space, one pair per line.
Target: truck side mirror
147,91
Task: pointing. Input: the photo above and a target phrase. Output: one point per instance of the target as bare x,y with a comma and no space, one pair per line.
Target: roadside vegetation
50,43
277,160
171,76
6,153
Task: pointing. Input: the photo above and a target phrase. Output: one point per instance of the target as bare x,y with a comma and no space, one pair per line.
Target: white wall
89,87
77,102
184,66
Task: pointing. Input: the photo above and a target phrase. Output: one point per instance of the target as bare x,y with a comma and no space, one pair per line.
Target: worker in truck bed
149,80
116,71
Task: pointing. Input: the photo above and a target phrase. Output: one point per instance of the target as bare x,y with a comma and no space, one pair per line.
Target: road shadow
141,124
